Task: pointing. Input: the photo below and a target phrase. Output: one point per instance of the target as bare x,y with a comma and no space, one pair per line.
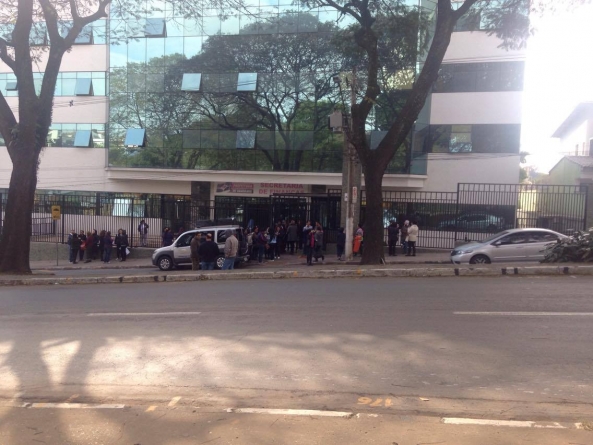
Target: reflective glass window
11,85
82,138
84,87
68,135
191,139
6,31
38,36
155,50
246,139
135,137
376,138
461,139
191,82
155,27
301,140
192,46
247,82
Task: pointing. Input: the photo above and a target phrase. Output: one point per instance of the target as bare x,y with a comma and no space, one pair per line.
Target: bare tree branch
5,56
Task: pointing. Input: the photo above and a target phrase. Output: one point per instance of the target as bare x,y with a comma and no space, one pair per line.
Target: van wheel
165,262
219,262
479,259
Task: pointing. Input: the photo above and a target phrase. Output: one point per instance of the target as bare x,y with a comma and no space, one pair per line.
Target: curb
324,273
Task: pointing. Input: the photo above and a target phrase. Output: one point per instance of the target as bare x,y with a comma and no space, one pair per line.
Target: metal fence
445,218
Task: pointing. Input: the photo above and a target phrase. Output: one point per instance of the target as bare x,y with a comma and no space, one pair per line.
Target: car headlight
463,252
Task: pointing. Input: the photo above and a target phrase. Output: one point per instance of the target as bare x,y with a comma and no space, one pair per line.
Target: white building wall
476,108
572,143
478,46
445,171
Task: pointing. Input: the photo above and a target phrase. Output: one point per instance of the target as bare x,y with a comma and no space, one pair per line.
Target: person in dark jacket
259,244
107,246
318,242
118,244
208,252
167,237
341,243
74,247
102,245
123,246
392,237
292,236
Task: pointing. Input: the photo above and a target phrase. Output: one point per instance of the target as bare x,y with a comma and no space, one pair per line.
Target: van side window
185,240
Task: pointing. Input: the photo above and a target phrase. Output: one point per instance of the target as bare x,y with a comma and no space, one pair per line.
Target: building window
191,139
84,87
468,22
6,32
480,77
12,85
247,82
73,135
38,36
376,138
191,82
460,140
245,139
135,137
504,138
83,138
155,28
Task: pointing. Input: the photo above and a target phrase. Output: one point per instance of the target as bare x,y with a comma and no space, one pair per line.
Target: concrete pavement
140,270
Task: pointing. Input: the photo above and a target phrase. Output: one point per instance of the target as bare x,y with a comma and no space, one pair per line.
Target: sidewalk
139,270
286,260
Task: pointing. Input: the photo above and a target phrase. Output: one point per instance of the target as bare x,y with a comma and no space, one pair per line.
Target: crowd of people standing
285,238
93,245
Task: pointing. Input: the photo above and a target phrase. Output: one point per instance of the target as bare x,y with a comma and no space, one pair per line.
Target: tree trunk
373,251
16,234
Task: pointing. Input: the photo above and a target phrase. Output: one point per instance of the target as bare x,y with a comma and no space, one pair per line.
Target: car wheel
219,262
480,259
165,262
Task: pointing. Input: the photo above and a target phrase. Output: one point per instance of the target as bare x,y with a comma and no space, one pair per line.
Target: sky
558,76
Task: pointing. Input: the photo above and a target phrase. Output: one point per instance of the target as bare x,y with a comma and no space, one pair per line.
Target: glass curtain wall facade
247,92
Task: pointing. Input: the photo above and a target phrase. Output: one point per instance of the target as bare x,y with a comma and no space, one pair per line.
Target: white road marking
505,423
291,412
174,401
135,314
530,314
74,405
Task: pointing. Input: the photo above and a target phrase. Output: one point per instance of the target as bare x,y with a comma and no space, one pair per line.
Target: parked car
510,245
477,222
166,258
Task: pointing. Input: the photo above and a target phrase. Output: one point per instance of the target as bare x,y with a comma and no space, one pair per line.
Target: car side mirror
497,243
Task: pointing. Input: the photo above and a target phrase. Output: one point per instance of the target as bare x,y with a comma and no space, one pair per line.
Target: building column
202,208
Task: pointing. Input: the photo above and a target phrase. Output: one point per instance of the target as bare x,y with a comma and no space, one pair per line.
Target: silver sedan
510,245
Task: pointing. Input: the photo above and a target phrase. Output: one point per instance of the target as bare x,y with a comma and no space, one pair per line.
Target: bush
577,249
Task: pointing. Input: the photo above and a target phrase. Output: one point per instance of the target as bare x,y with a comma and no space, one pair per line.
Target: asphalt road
509,347
401,336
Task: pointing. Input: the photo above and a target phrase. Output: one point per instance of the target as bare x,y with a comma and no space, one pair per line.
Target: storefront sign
259,188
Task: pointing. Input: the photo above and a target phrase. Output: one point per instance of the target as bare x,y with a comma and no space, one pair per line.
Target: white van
166,258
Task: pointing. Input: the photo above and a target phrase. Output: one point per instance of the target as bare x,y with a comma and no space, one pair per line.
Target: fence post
63,210
131,235
456,213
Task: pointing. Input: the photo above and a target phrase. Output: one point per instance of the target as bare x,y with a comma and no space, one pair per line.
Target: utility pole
351,173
